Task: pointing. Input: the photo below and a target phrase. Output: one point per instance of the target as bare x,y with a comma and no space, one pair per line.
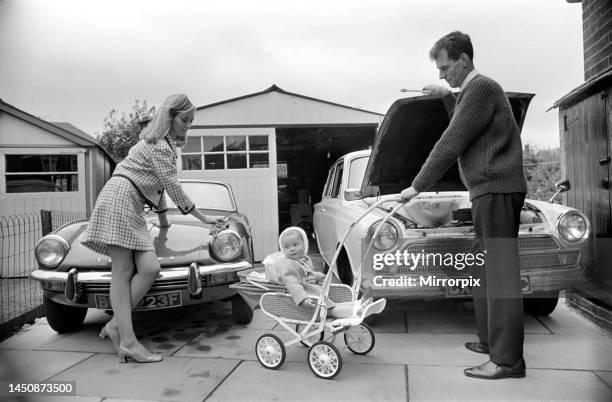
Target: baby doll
293,268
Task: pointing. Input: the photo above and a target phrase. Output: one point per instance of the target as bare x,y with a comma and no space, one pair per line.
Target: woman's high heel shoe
125,354
107,332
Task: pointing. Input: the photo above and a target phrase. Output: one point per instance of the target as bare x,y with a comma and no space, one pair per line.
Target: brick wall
597,36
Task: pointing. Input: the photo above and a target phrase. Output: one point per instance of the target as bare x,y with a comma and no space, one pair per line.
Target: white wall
255,189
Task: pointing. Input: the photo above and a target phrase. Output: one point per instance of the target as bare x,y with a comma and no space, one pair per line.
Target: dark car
198,262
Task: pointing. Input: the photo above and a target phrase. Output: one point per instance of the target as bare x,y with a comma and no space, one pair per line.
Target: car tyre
241,311
542,303
63,318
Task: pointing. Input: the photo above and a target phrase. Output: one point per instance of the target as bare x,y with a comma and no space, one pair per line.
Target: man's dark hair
455,43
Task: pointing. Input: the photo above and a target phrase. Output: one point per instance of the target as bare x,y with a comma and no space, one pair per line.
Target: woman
118,229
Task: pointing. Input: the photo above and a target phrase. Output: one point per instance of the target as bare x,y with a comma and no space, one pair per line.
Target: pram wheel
359,339
270,351
324,360
312,339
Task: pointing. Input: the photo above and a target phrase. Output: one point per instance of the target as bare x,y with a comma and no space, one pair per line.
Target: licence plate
149,302
458,291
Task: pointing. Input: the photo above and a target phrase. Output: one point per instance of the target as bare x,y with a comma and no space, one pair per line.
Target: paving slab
227,342
390,321
30,337
295,382
36,366
605,376
427,383
183,379
565,321
571,352
51,398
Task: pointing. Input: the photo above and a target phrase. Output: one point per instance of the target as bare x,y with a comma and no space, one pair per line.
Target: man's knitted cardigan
484,137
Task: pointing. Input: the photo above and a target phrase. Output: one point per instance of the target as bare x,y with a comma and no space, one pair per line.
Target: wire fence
20,296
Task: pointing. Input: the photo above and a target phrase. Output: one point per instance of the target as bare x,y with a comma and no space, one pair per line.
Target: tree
121,133
542,170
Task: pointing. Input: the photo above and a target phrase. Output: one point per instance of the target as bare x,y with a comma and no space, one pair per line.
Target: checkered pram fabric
274,298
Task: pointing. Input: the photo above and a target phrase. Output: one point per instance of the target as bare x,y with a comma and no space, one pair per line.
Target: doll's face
293,245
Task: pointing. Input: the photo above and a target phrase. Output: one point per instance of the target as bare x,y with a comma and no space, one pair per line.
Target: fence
20,296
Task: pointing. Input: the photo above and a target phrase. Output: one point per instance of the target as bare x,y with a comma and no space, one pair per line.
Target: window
356,173
41,173
226,152
327,188
337,180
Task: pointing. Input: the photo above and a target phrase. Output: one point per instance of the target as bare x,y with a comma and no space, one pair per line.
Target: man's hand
409,193
435,90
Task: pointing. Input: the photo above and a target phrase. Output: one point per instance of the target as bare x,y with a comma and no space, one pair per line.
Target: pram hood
296,229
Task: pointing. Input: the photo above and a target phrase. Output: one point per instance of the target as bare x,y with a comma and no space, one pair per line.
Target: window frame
247,152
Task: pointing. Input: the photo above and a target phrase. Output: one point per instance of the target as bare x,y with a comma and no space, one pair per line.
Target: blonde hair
161,123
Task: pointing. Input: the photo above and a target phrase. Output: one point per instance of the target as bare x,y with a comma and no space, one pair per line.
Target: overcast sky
75,60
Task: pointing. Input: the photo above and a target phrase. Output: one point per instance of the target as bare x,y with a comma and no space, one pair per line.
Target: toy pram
309,325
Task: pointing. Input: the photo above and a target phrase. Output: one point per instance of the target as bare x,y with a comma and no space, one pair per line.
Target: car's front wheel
542,303
241,311
63,318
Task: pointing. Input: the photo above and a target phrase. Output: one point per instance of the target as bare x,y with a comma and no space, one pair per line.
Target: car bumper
535,281
196,284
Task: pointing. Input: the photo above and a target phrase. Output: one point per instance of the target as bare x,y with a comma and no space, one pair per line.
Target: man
485,139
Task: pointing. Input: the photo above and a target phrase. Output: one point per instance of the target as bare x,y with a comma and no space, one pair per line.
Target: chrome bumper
76,284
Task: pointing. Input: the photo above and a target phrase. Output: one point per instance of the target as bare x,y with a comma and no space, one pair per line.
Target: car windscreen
356,172
206,196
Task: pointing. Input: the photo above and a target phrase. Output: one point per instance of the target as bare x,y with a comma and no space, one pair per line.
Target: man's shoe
493,371
477,347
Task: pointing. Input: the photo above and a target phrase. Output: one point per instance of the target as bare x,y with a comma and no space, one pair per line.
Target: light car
198,262
437,224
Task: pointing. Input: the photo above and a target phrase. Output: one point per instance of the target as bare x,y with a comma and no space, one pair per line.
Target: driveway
418,356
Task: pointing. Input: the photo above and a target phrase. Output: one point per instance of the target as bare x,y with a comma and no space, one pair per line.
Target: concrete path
418,356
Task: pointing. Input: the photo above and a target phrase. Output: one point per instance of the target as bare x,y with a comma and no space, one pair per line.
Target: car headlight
386,238
227,245
50,251
573,226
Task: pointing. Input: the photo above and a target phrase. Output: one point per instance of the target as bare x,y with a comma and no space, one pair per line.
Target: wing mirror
562,187
352,194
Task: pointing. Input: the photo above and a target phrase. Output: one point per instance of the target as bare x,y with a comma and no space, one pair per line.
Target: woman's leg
122,270
147,269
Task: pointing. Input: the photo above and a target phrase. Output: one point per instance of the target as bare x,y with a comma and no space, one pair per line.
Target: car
437,224
198,262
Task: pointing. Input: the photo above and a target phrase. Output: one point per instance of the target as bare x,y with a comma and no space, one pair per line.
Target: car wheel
63,318
241,311
345,273
542,303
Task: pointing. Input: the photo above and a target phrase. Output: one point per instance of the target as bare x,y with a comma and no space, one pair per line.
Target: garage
274,148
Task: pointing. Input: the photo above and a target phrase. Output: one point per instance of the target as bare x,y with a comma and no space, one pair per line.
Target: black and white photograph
395,200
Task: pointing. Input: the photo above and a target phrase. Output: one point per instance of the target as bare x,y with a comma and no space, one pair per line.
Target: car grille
462,246
92,287
465,245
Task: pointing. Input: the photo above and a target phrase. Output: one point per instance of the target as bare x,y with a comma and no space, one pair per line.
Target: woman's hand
220,223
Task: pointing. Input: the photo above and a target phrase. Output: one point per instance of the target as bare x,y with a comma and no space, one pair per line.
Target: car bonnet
411,128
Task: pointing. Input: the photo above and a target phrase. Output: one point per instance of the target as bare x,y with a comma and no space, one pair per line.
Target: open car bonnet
411,128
